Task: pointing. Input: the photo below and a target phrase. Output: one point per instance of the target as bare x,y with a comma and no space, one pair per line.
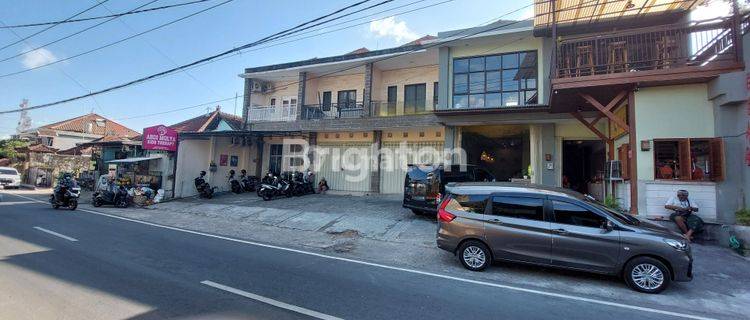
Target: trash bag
159,195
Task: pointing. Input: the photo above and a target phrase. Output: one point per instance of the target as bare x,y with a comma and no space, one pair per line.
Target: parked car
9,178
485,222
424,184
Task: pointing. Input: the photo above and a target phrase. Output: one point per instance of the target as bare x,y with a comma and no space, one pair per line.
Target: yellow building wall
402,77
280,90
682,111
334,84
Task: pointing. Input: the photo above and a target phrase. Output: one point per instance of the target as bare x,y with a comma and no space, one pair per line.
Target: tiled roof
208,122
91,123
77,151
360,50
37,148
421,40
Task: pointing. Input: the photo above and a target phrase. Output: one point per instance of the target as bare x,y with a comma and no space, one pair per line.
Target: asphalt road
59,264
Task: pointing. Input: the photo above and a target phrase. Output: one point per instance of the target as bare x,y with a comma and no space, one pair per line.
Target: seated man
682,215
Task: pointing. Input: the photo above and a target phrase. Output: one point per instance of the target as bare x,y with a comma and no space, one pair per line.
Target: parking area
377,229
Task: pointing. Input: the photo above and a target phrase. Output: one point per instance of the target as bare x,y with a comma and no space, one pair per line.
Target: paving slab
309,221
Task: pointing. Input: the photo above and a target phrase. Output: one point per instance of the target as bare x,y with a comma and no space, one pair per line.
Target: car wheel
474,255
647,275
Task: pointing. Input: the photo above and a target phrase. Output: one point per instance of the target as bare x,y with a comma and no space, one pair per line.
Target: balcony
662,54
333,111
287,112
357,110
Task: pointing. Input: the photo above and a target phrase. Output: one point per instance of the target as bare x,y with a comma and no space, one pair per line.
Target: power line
116,42
53,25
356,66
72,34
101,17
284,32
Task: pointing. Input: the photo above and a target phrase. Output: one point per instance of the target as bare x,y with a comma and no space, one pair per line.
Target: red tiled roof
37,148
360,50
207,122
92,123
420,40
77,151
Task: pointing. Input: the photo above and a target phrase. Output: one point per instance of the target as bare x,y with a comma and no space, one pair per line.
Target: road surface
59,264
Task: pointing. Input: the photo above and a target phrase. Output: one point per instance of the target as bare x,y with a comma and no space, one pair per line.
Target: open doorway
503,150
583,166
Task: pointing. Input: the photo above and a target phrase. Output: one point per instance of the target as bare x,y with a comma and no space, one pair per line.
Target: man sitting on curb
683,214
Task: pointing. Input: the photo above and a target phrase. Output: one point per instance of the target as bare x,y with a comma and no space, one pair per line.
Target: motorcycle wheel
73,204
97,202
122,203
289,193
266,195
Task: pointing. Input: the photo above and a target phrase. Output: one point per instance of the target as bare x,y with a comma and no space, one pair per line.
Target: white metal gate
392,175
346,167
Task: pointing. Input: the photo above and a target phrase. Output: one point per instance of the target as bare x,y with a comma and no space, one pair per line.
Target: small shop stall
139,172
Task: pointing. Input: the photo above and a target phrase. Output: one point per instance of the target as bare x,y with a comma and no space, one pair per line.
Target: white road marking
55,234
270,301
426,273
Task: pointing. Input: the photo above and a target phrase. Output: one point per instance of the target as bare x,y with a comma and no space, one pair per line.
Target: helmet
203,173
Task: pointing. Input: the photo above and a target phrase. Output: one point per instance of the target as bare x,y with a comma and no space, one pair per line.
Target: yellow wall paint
670,112
572,129
406,76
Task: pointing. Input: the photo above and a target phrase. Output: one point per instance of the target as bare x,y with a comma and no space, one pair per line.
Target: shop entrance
583,166
503,150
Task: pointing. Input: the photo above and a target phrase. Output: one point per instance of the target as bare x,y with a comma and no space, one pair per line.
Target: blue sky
224,27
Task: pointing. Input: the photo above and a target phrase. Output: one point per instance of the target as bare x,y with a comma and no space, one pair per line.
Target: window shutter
622,154
717,159
685,164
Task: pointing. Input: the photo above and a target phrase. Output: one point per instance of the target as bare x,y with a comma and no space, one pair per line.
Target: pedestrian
323,185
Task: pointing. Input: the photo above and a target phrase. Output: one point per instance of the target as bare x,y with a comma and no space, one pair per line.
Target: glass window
493,81
518,207
460,101
698,159
414,98
460,83
476,64
467,203
513,76
460,65
567,213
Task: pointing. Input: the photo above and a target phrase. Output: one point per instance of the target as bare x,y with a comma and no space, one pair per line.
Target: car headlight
677,244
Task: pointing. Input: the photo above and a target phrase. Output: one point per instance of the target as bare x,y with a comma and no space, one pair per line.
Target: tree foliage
8,147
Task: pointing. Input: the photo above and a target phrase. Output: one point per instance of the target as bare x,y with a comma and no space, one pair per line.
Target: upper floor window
503,80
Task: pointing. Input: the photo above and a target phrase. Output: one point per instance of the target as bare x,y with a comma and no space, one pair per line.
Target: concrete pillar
301,93
259,165
312,141
246,103
377,138
444,83
367,94
451,142
549,155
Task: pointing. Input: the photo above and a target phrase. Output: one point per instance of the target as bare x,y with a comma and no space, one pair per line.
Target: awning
131,160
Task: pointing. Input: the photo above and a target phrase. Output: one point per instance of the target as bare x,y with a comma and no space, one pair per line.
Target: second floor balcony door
414,98
347,99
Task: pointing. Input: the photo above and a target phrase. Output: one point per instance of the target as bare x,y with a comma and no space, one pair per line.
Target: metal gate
346,167
392,175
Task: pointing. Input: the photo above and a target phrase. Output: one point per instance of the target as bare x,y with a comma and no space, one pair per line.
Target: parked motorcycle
267,179
302,183
249,183
234,185
117,197
204,189
277,187
66,193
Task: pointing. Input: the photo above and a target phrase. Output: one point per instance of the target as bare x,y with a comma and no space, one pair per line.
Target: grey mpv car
484,222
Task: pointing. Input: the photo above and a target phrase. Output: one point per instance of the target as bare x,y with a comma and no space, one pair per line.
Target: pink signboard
160,138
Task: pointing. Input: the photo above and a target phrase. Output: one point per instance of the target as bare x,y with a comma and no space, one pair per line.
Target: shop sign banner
160,138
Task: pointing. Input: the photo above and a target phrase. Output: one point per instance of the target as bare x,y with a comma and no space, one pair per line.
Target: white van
9,178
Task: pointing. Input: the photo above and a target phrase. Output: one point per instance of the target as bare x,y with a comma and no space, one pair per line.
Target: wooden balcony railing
654,48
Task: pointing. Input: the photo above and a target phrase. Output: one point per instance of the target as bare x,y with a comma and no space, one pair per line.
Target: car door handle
496,220
561,231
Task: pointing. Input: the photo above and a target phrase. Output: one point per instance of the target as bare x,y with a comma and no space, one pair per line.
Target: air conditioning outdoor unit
267,86
257,87
236,140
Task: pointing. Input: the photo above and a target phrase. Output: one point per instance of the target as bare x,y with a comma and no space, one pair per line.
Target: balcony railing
333,111
358,110
272,113
399,108
655,48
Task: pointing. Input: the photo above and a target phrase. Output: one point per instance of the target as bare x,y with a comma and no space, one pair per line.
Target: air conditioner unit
257,87
267,87
236,140
614,170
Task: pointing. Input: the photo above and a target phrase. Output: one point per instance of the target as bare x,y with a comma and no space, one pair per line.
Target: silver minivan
485,222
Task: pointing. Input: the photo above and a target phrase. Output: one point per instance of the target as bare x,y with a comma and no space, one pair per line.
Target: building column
451,142
246,103
301,93
548,155
259,164
367,93
444,86
632,140
312,142
377,138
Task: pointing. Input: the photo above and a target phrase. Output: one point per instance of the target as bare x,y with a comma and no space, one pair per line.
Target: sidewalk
377,229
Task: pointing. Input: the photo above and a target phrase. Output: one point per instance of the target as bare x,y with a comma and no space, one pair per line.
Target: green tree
8,147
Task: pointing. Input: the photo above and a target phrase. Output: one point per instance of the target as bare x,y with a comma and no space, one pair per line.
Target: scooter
66,194
277,187
248,183
204,189
118,197
234,184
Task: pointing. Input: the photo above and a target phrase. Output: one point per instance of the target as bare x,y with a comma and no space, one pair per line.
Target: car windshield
8,171
624,218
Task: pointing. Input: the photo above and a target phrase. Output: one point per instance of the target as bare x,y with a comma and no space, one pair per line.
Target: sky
216,30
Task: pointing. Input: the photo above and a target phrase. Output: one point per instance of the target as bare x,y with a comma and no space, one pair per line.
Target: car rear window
472,203
8,171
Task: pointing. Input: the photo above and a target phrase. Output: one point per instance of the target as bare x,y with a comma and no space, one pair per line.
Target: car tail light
444,215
